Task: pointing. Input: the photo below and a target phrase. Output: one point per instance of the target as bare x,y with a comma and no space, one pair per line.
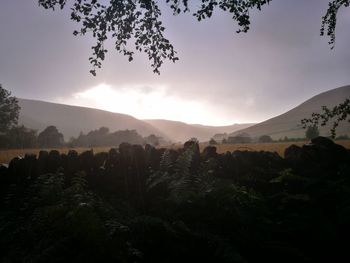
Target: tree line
21,137
311,132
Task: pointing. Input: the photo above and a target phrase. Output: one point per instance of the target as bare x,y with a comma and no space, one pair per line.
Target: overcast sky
221,77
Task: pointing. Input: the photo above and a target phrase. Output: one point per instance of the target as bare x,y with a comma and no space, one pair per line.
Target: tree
240,138
337,114
50,137
194,139
212,142
265,139
140,21
21,137
9,110
152,139
312,132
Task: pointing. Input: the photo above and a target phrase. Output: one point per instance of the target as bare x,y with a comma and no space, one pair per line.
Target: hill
71,120
288,124
180,131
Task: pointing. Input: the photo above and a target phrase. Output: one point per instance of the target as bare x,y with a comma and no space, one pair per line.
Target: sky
221,78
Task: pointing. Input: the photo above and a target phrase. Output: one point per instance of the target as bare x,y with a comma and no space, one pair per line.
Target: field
279,147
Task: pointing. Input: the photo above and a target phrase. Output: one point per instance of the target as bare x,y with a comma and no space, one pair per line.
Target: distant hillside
180,131
288,124
71,120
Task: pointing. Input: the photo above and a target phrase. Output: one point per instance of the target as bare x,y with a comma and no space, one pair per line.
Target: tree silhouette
9,110
265,139
312,132
338,113
50,137
19,137
212,141
140,21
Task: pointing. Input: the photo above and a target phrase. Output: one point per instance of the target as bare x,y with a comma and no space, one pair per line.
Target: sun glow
146,102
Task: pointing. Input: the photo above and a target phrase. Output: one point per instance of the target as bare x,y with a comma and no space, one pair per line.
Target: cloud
155,103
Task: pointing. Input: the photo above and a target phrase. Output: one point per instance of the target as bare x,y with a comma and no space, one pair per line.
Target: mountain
180,131
71,120
288,124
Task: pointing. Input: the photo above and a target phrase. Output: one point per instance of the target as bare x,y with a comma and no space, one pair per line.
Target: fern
191,180
183,178
166,164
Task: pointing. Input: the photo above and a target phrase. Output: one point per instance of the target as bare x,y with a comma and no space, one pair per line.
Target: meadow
7,155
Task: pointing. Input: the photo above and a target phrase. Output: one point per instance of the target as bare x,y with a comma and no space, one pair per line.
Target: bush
212,142
265,139
242,138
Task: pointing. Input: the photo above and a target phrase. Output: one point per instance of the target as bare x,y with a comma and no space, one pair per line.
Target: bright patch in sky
147,102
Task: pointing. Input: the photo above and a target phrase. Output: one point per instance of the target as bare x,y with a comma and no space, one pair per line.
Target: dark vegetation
312,132
244,138
20,137
102,137
142,204
335,115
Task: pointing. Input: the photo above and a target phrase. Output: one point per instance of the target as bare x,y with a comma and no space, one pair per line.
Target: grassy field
279,147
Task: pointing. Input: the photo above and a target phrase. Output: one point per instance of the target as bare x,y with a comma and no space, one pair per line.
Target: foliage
312,132
50,137
265,139
102,137
9,110
240,207
329,20
19,137
337,114
53,222
212,142
140,21
152,139
240,138
123,21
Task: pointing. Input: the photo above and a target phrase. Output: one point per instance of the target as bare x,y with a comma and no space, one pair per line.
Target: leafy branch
139,21
336,114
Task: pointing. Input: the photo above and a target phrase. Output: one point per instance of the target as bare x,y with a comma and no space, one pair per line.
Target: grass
7,155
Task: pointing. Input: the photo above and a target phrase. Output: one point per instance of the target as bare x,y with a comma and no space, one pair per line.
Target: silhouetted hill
288,124
71,120
180,131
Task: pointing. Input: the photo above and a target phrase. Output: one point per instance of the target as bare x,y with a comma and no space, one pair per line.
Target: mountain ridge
182,131
71,120
289,123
